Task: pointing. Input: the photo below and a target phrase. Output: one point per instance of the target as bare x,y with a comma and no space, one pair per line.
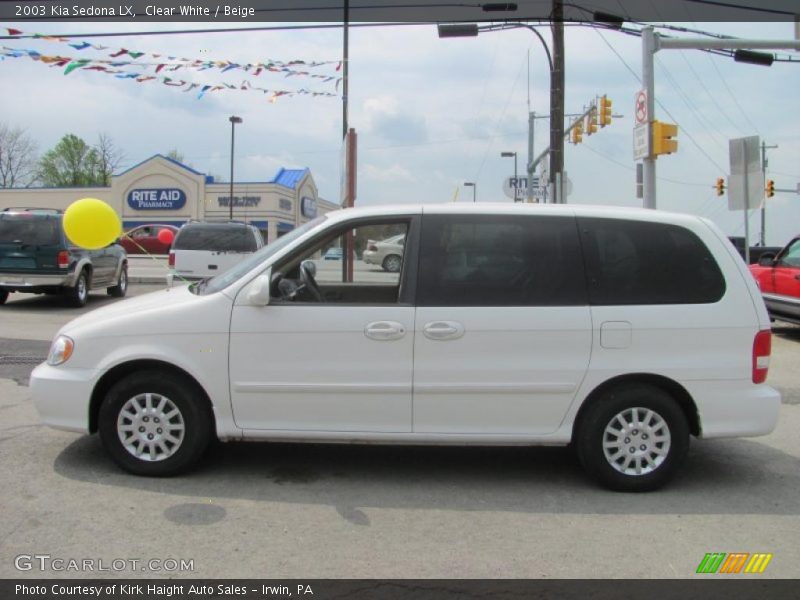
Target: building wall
161,190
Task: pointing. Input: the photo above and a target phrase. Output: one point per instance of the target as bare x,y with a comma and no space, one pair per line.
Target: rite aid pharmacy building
162,190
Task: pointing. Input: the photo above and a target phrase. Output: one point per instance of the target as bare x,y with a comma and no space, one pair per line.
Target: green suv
36,257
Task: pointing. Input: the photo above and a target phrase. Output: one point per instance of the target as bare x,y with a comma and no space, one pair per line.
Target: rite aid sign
157,199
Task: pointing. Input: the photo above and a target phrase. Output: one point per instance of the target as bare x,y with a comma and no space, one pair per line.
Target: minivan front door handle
443,330
385,330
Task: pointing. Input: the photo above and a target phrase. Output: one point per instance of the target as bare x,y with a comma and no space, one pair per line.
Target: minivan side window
504,260
635,262
373,254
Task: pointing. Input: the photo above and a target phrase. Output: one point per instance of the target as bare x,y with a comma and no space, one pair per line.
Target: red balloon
165,236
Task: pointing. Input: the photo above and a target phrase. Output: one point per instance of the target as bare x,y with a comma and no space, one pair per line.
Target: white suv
204,249
621,331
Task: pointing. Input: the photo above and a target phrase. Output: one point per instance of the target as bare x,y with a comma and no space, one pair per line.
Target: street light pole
474,187
234,120
509,155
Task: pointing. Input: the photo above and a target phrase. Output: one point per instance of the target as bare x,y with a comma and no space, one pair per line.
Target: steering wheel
310,284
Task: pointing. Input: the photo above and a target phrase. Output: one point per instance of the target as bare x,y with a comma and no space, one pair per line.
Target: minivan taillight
63,259
171,259
762,348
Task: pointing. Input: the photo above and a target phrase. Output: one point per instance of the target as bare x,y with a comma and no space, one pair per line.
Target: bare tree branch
17,157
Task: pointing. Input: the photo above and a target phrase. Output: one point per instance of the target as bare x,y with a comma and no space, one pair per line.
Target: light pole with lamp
234,121
509,155
474,187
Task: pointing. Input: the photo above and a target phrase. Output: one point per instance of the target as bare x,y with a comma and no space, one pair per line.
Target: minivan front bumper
62,396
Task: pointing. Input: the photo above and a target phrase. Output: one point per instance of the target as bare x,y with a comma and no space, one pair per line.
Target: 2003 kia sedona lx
621,331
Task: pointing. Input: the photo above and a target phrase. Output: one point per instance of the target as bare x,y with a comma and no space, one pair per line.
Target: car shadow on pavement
718,477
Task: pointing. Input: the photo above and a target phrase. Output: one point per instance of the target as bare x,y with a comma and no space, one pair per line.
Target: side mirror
766,260
310,266
259,290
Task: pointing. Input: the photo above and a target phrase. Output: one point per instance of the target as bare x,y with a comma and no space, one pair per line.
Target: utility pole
763,237
649,85
557,103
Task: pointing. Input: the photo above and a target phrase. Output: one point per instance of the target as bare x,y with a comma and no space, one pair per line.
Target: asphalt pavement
339,511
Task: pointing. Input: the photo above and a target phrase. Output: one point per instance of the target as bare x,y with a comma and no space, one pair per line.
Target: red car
144,239
778,276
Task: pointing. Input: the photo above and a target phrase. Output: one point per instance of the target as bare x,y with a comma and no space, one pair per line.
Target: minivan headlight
60,350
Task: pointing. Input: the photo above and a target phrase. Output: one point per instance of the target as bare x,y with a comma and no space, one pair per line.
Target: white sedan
387,253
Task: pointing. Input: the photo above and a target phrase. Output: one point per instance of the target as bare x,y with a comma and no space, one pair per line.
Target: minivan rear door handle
443,330
384,330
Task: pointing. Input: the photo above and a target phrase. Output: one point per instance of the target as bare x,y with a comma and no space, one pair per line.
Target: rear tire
155,423
392,263
632,438
119,290
78,295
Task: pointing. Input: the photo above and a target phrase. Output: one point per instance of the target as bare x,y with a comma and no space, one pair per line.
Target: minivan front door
333,353
503,329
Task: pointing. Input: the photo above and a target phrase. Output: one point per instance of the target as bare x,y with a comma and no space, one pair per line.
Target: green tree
72,163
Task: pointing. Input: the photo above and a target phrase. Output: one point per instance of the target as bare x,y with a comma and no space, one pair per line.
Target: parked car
144,239
204,249
333,254
778,277
619,331
37,258
755,252
387,253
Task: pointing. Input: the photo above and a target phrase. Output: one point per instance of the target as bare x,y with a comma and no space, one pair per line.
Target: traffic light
591,122
577,133
663,138
720,187
605,111
770,188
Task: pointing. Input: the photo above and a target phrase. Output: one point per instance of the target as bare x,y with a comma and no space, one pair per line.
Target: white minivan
205,249
620,331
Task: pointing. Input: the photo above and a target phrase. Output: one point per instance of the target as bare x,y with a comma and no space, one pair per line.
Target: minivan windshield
223,280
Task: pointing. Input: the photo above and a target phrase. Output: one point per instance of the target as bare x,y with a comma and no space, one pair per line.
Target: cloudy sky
431,113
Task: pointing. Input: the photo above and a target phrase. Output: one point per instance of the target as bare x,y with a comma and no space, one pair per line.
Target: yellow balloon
91,223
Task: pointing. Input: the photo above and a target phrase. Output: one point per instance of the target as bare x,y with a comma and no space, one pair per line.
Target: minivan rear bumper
735,408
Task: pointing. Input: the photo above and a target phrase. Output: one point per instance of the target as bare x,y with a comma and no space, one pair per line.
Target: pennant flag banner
124,63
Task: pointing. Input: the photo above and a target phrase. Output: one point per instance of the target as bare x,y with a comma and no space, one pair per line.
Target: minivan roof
498,208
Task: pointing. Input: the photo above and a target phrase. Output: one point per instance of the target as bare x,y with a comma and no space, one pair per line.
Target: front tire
155,423
633,438
119,290
79,294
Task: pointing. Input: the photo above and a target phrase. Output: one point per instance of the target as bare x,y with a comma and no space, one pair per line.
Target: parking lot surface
280,510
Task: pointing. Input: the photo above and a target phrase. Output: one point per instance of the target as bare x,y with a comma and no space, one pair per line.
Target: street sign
640,107
746,181
641,141
516,188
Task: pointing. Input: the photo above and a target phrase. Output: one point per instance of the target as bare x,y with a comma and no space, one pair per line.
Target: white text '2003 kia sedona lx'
621,331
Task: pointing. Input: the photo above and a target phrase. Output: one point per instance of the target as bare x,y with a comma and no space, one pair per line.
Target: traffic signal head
770,188
605,111
577,133
720,187
591,122
663,138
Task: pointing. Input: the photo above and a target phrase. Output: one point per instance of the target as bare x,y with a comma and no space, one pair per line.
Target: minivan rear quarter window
635,262
488,260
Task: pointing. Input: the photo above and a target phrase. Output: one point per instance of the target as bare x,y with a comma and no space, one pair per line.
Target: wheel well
120,371
673,388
